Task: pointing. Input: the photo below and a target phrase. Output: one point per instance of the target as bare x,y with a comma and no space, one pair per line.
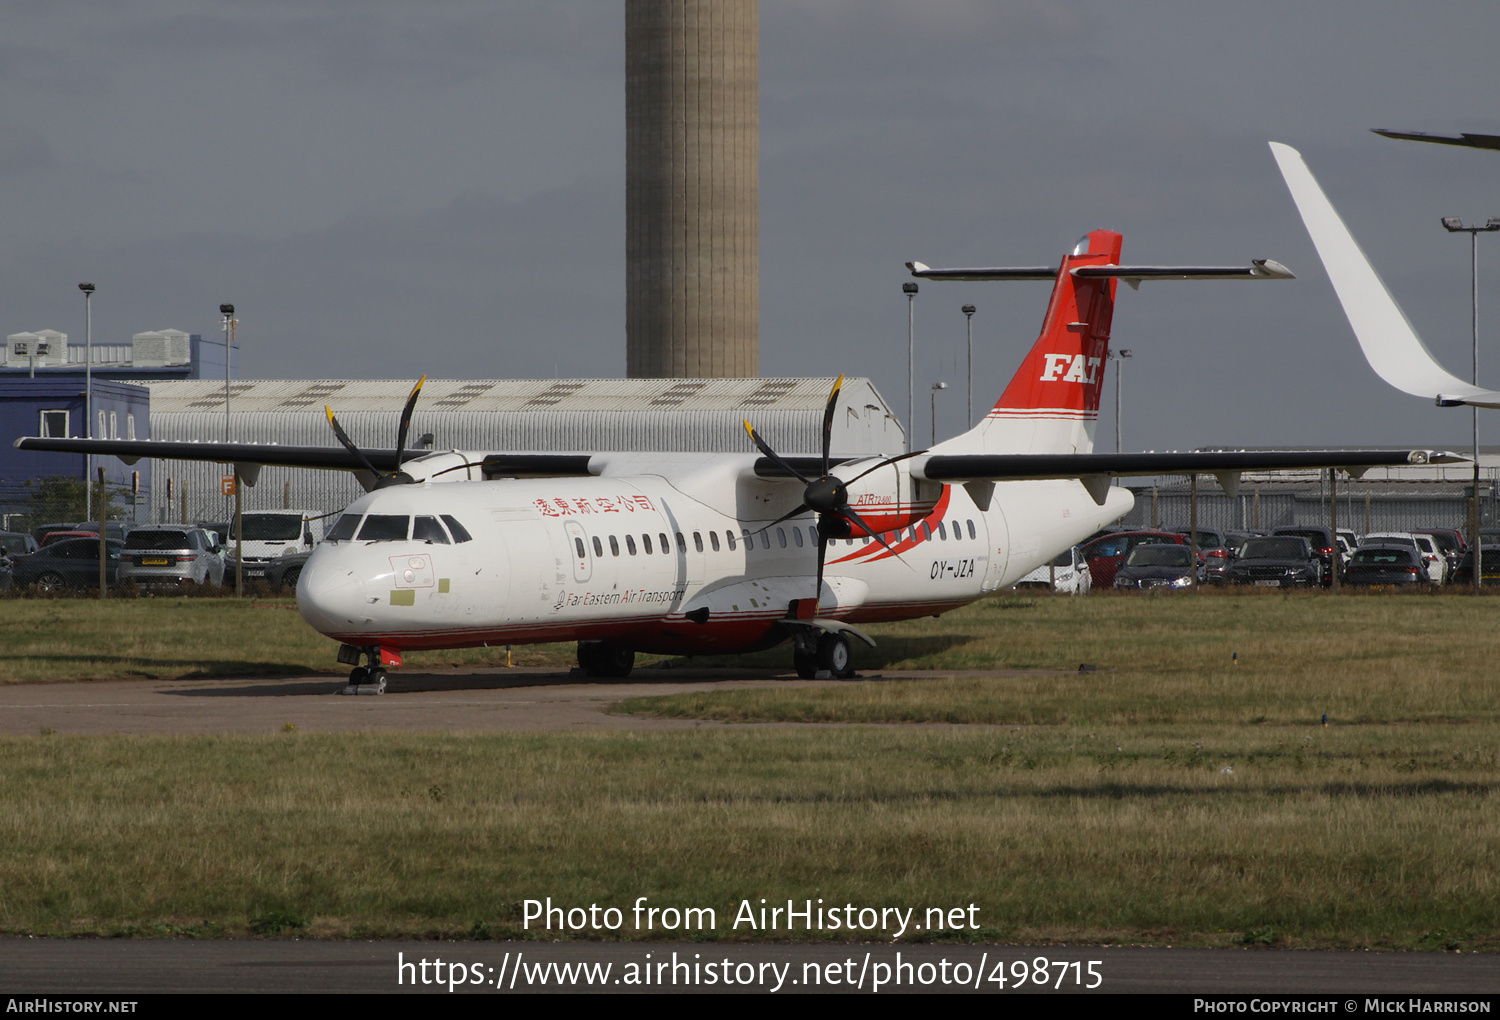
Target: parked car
1322,542
1159,567
16,543
1433,561
70,564
283,572
63,536
1451,543
1067,574
1490,557
1215,549
170,555
1106,554
1277,561
1385,566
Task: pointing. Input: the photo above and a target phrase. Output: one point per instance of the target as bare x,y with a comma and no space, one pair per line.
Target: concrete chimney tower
692,188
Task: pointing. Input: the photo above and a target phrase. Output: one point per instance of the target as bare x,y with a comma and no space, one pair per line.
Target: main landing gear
605,658
363,679
817,652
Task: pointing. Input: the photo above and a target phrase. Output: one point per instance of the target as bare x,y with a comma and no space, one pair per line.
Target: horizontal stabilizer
1259,269
1012,467
1466,139
1389,342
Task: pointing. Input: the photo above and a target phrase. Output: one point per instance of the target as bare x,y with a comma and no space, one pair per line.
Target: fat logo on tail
1052,403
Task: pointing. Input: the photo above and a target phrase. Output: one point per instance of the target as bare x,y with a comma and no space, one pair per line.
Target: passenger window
942,534
749,538
713,540
344,528
598,547
681,543
797,536
384,528
812,534
578,545
460,535
972,533
630,544
666,547
427,529
781,537
729,535
698,541
927,530
646,544
614,546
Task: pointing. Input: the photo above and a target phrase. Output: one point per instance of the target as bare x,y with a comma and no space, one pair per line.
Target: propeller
827,495
396,477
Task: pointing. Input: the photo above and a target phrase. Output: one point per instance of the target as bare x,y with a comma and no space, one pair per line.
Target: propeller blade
411,403
885,463
851,516
804,508
766,449
833,399
822,555
343,437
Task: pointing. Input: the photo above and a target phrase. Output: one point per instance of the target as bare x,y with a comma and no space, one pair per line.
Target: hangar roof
610,395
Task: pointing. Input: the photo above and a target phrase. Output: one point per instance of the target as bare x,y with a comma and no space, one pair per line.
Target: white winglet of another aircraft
1391,345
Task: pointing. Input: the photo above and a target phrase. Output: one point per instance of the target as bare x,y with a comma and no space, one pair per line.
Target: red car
1107,552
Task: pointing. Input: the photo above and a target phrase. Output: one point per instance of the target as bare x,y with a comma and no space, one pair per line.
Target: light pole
910,290
935,387
227,311
88,375
968,311
1454,225
1119,357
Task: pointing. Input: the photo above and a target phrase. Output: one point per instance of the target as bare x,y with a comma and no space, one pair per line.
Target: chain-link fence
61,500
1360,507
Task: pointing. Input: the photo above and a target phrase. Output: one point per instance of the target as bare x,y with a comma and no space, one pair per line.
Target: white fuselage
582,558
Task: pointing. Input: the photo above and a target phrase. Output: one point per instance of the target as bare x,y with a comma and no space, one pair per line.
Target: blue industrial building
52,404
43,384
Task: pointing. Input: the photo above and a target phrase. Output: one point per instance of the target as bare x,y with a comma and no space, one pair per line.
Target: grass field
1170,797
175,638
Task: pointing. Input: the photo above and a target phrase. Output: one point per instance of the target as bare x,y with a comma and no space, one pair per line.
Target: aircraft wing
1389,342
1096,470
329,458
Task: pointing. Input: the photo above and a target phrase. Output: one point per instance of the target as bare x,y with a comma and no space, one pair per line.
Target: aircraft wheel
605,658
357,675
376,676
806,663
834,656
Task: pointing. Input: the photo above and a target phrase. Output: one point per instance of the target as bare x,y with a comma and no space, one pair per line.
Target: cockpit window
427,529
344,528
384,528
460,533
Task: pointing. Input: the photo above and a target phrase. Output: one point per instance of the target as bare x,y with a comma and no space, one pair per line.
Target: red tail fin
1062,376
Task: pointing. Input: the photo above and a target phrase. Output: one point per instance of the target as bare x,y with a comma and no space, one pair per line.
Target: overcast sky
386,189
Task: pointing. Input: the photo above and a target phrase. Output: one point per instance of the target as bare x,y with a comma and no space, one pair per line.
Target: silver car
162,555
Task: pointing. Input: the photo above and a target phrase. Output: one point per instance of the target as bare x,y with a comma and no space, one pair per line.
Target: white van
268,535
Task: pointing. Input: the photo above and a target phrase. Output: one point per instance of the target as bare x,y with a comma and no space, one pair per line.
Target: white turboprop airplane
715,553
1390,344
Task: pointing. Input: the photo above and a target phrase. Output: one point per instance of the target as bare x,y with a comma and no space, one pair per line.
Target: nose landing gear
366,679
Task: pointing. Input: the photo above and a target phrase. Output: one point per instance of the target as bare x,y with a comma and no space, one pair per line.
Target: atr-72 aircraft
698,554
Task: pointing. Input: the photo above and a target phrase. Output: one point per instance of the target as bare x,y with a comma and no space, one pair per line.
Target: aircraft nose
331,595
